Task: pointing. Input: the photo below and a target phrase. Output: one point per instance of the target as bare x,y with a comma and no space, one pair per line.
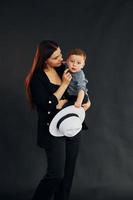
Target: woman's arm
42,95
66,78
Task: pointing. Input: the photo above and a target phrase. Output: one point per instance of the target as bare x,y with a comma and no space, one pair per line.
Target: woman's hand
66,78
87,105
61,103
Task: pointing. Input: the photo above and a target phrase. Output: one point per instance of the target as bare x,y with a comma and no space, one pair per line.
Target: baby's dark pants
72,99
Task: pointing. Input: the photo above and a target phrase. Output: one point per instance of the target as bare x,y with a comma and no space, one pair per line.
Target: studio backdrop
104,29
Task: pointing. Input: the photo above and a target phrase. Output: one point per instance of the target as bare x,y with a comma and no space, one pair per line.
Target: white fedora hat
67,122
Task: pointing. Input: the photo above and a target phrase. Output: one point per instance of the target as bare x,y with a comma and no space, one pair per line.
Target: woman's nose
61,58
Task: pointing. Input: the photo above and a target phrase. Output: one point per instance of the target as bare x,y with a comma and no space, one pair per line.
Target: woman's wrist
59,93
64,84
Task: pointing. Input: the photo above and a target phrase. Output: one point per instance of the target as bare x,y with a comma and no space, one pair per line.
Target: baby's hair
78,52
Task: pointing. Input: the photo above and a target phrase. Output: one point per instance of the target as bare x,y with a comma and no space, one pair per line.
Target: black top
42,93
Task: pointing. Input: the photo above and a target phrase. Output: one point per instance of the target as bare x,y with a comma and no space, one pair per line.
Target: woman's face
55,59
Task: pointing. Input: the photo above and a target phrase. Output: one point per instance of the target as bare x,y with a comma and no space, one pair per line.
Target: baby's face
75,63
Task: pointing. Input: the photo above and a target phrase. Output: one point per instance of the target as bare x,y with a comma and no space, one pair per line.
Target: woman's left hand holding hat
87,105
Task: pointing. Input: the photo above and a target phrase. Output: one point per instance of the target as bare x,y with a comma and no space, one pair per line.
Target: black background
104,29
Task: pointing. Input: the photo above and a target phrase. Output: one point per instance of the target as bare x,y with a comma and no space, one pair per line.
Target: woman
46,84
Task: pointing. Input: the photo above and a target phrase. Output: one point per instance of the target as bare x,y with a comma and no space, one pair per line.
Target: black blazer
42,93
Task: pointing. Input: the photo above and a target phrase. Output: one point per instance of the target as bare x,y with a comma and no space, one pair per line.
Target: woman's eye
56,58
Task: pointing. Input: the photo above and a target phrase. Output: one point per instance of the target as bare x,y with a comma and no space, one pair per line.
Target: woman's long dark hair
45,49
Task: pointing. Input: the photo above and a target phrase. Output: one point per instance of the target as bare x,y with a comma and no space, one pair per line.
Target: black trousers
61,155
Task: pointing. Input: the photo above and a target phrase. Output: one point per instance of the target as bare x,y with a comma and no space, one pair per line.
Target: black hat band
65,117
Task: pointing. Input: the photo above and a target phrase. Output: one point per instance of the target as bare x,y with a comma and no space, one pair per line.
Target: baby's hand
77,104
